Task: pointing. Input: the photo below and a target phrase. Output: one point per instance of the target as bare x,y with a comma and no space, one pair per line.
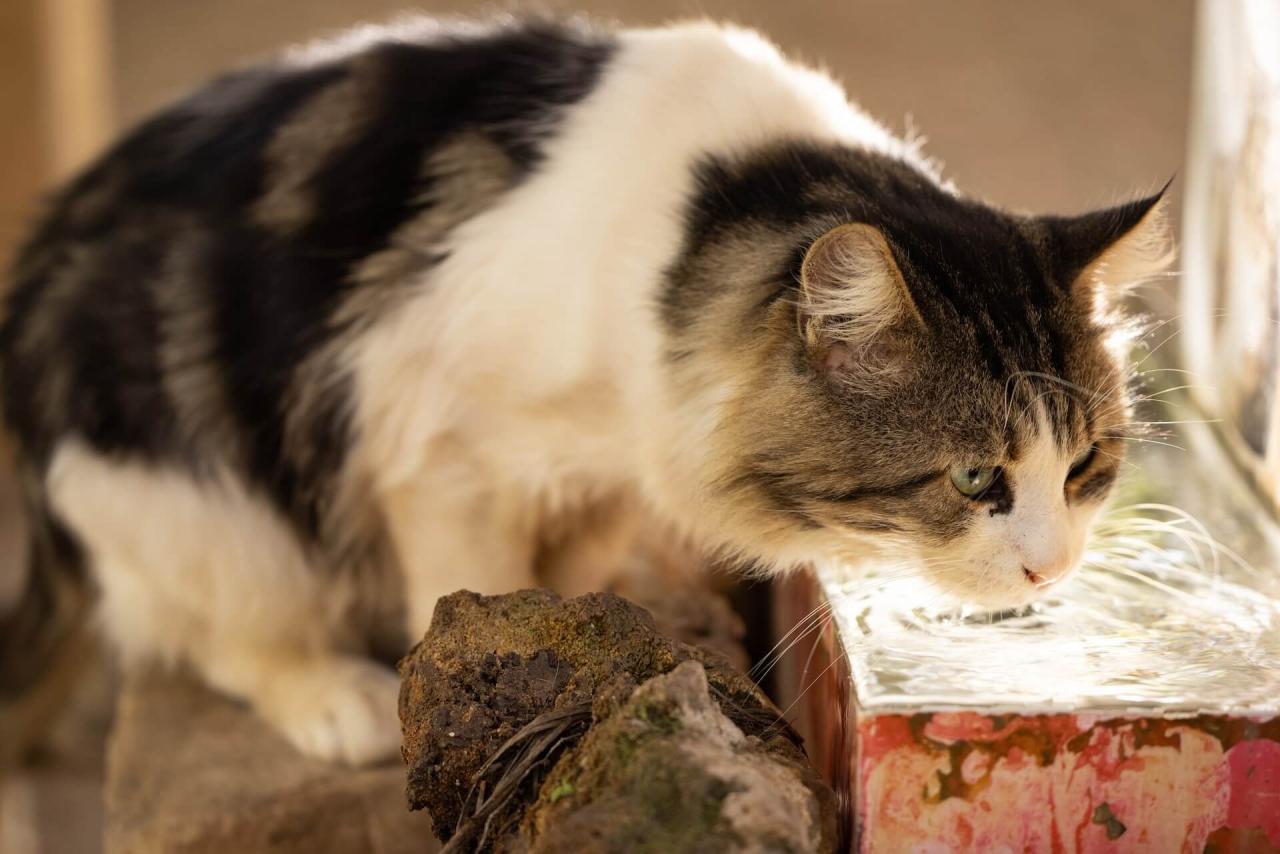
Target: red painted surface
1254,773
971,782
934,782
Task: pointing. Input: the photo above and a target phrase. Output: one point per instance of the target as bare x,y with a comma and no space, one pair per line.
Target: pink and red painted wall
931,782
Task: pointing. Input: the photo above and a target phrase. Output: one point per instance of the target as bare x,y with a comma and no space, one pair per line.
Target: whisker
1146,441
784,644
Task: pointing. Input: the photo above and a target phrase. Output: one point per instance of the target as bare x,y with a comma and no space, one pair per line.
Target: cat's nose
1044,575
1035,578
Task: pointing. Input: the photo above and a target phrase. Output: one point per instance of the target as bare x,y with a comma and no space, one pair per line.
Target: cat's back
199,292
357,111
216,244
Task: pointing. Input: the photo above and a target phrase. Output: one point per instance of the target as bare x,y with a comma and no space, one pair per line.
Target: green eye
972,481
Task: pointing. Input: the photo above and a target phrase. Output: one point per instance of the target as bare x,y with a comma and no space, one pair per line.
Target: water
1177,612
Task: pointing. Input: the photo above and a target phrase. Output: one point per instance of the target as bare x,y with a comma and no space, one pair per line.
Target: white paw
340,709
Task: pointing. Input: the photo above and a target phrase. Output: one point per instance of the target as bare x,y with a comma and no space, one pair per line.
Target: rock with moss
669,772
502,687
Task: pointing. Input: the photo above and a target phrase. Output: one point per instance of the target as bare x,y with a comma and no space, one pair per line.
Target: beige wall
1032,104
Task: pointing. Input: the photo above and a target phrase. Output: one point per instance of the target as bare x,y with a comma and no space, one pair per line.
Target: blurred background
1032,105
1029,104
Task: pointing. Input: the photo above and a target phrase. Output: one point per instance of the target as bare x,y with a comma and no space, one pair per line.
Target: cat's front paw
340,710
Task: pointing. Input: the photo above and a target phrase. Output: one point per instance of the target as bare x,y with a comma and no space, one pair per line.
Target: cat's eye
1082,460
972,481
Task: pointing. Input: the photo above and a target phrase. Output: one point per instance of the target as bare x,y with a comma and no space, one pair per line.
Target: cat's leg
453,531
592,548
329,705
207,574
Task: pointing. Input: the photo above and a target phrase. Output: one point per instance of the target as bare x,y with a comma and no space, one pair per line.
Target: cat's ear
1100,255
852,299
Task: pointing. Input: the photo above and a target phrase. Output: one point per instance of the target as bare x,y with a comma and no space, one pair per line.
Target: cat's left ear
1100,255
854,302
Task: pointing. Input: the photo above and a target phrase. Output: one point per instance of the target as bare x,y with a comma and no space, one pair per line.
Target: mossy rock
669,773
491,667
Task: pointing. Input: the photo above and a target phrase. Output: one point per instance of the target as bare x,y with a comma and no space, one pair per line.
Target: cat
350,329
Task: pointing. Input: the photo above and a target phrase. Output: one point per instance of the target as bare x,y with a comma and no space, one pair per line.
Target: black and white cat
349,330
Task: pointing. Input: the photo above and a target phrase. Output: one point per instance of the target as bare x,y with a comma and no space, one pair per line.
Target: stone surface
668,772
521,677
50,809
191,771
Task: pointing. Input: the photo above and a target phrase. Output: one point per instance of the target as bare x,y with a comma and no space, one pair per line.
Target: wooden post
24,153
56,101
77,57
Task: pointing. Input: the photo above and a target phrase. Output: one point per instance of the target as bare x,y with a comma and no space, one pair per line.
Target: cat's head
929,376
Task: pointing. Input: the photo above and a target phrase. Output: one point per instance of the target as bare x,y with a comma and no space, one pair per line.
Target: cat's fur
347,331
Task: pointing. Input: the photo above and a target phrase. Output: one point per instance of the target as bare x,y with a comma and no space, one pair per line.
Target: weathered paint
965,781
930,782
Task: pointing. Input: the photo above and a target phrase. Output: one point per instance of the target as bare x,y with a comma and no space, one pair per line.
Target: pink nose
1045,576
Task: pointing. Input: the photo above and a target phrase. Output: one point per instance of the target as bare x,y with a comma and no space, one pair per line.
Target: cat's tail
44,636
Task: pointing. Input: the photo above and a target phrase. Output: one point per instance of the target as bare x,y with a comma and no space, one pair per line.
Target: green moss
563,789
624,748
660,716
671,806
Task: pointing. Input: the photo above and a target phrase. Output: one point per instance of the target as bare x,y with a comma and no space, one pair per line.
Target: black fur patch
1096,485
187,181
901,489
997,274
965,262
998,497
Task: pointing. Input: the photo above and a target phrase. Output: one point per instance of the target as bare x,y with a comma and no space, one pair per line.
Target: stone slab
190,771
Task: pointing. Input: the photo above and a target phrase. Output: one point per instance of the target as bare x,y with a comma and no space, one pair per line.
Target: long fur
342,333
